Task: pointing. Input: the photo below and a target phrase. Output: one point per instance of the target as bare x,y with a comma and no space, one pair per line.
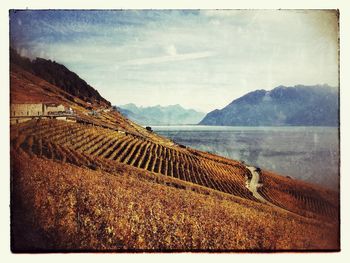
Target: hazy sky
199,59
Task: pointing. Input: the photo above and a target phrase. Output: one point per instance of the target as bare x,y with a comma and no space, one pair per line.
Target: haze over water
306,153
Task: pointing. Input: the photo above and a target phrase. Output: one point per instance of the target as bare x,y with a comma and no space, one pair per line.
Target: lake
307,153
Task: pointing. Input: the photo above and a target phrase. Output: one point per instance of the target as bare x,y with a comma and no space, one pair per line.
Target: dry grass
58,206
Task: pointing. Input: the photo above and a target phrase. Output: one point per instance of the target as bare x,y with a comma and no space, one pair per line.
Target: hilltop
58,75
104,183
161,115
290,106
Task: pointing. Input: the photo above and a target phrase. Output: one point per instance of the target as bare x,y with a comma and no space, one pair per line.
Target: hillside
99,189
59,76
28,88
161,115
107,184
290,106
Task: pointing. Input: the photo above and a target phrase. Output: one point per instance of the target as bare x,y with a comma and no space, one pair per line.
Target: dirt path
253,185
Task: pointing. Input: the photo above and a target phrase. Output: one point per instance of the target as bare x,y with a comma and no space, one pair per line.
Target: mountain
161,115
59,76
291,106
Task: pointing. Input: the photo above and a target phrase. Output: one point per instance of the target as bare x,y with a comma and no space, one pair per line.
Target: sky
200,59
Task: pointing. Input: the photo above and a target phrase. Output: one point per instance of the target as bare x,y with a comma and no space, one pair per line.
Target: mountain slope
161,115
299,105
28,88
72,208
59,76
97,174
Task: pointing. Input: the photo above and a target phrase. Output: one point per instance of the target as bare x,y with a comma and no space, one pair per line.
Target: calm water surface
306,153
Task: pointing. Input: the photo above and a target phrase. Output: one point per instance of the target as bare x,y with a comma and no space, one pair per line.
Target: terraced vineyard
100,148
296,199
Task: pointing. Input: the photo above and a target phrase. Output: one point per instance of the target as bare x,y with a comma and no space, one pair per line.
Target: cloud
171,50
171,58
235,51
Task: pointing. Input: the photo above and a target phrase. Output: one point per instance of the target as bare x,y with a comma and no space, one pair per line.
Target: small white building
53,109
70,111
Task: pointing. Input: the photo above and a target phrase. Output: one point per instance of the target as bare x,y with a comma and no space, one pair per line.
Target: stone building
27,111
36,109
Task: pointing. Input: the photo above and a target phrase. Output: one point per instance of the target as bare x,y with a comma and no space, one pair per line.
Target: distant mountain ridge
291,106
161,115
